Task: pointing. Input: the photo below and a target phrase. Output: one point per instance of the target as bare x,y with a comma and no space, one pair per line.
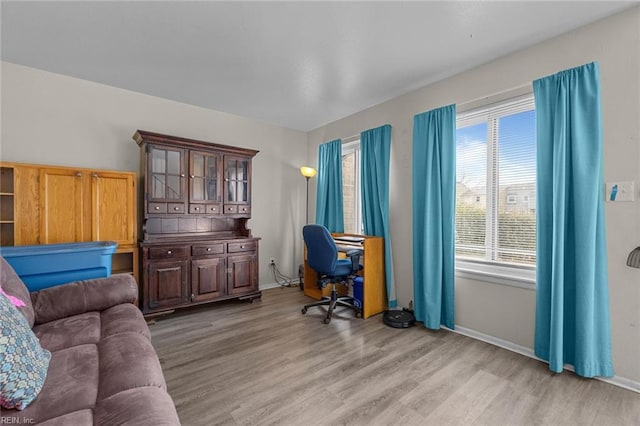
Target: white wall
53,119
507,313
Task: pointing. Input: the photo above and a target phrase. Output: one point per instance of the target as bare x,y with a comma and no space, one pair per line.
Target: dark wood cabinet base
184,273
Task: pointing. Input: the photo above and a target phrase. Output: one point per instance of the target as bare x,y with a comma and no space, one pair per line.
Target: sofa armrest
83,296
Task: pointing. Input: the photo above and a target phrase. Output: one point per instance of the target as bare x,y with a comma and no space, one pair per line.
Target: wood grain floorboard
264,363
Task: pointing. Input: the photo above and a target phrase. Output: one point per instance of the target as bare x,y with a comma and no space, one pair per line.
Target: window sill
524,277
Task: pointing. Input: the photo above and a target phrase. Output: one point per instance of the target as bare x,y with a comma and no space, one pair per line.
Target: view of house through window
496,183
351,187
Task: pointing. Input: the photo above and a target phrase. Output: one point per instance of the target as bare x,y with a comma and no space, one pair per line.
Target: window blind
495,172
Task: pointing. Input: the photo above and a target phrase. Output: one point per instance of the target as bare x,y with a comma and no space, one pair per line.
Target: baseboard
528,352
268,286
622,382
505,344
274,285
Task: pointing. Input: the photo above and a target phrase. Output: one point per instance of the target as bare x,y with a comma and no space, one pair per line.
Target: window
351,187
496,163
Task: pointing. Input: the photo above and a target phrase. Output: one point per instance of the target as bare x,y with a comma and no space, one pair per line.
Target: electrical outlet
272,261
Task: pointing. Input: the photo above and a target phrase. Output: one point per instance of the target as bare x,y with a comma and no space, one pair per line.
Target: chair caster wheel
358,314
327,320
304,311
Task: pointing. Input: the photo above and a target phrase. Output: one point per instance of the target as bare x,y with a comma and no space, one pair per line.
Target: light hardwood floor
264,363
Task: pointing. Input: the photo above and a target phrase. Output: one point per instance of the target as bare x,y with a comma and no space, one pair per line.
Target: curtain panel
434,202
572,299
329,210
375,145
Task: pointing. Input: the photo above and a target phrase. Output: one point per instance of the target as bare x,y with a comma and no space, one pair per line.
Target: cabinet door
208,279
63,206
242,273
113,207
237,178
27,205
204,177
166,174
167,284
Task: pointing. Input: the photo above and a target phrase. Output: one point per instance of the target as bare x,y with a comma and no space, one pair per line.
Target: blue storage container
47,265
358,282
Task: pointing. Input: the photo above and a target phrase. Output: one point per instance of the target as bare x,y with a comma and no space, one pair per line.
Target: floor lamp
308,173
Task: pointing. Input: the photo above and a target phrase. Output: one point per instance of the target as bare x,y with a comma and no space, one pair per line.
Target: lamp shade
308,172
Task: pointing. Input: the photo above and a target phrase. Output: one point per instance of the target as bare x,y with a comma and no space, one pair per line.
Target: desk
374,291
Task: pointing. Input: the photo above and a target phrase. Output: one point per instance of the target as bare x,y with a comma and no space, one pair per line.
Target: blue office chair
322,256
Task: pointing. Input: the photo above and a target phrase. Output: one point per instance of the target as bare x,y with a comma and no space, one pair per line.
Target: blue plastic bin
358,282
48,265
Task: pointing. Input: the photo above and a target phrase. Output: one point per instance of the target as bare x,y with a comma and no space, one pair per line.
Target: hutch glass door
237,181
204,178
166,174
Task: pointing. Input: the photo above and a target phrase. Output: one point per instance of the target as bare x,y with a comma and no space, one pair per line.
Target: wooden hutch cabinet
196,247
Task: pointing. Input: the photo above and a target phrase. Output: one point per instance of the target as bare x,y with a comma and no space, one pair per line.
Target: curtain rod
477,102
496,97
351,139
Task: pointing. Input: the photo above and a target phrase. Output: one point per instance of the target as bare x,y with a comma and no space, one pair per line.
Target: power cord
280,278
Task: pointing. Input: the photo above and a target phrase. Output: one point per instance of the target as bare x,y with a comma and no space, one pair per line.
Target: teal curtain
572,300
375,146
434,204
329,211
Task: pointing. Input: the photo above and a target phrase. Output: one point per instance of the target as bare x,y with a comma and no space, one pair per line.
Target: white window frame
348,147
489,270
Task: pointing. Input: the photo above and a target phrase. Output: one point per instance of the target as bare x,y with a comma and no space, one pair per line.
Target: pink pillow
16,302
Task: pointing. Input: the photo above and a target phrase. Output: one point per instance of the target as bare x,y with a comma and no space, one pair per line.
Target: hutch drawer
205,250
157,207
168,252
230,209
213,208
175,208
197,208
242,247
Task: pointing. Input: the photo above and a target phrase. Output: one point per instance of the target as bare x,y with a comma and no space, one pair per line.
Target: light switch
620,191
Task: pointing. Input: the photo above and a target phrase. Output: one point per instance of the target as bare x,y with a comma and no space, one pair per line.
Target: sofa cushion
13,286
71,385
90,327
23,362
122,319
65,333
79,297
127,360
146,406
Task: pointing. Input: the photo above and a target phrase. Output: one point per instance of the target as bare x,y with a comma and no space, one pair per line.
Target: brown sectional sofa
103,368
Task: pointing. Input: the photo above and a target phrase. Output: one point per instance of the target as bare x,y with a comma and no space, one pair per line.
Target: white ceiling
294,64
